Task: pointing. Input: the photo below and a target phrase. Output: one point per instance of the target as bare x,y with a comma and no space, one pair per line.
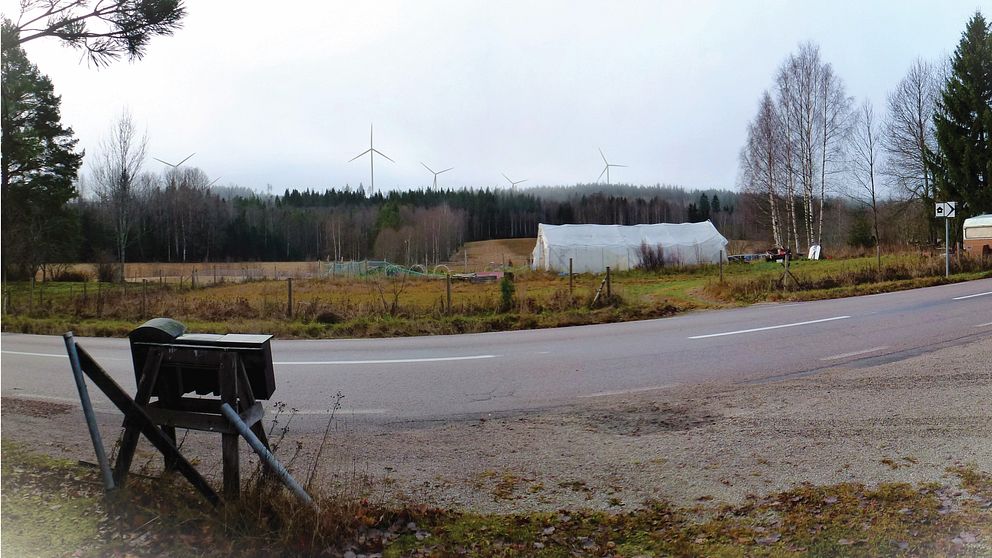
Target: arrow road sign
946,210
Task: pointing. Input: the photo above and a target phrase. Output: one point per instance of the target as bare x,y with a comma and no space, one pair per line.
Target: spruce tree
963,164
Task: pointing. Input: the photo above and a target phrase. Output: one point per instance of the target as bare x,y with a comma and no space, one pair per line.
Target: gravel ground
905,421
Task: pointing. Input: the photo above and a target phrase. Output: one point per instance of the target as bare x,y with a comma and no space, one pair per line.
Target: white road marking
972,295
33,354
769,327
383,361
856,353
625,391
983,325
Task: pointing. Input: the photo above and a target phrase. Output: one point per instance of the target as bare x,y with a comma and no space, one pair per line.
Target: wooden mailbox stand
162,374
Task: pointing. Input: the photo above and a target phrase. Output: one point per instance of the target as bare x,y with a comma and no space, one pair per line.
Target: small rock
538,545
903,545
421,535
905,511
967,538
411,526
549,530
845,542
350,554
830,500
770,539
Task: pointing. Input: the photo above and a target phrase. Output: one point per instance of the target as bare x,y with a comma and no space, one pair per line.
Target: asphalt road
444,376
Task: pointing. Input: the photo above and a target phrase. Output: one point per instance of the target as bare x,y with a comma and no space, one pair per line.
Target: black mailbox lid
155,330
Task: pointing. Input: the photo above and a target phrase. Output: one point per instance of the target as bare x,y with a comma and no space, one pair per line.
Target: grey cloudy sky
283,93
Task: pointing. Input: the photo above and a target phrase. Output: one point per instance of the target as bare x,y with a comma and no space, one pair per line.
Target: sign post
946,210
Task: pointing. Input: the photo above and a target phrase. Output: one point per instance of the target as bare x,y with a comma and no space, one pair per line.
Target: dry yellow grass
486,254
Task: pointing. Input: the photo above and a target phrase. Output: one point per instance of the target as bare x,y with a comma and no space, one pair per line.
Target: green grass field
397,306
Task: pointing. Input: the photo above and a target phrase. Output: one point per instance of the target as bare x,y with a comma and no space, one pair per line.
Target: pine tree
704,207
39,165
963,165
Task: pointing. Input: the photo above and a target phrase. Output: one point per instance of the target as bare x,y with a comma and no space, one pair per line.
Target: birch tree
909,135
115,177
865,165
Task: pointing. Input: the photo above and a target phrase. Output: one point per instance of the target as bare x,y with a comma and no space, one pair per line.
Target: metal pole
448,289
84,398
265,454
609,291
721,266
947,247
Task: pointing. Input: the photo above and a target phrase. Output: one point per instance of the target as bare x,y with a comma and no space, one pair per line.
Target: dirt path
903,421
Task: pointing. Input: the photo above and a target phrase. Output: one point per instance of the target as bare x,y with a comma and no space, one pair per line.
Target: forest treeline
176,217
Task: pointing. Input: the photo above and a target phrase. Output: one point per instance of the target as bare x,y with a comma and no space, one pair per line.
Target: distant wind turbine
175,166
372,152
513,185
434,173
606,169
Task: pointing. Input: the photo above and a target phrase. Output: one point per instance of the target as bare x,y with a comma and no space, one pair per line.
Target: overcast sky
265,94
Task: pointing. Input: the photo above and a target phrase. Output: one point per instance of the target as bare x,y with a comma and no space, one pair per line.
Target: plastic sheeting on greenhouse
594,247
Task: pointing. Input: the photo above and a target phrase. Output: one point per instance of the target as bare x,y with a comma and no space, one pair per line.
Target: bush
652,257
506,292
68,274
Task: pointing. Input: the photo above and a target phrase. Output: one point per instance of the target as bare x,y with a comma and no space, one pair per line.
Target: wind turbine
435,173
513,185
175,166
606,169
371,151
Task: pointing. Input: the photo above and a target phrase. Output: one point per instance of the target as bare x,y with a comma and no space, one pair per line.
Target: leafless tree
760,169
909,133
814,113
865,165
116,178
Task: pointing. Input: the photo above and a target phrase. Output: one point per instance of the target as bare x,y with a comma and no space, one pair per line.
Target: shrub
652,257
506,292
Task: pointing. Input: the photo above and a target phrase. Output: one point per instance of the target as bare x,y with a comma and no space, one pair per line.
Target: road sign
946,210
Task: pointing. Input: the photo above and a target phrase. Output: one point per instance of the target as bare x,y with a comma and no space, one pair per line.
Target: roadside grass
390,307
54,507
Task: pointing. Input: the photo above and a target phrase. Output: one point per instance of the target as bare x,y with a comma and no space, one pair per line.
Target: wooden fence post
609,289
571,281
447,279
721,266
289,291
144,289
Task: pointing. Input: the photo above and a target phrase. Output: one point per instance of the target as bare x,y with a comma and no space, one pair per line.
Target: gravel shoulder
905,421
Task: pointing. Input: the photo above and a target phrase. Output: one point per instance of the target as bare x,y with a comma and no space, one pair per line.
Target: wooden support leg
123,401
129,441
228,380
168,396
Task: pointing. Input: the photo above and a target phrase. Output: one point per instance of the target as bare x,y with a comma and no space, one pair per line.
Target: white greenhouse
594,247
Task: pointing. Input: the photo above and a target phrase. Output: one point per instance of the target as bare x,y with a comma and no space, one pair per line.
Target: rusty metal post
609,289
